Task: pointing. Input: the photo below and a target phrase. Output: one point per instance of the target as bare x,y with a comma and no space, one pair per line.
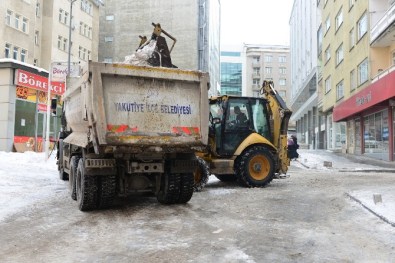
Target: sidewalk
380,201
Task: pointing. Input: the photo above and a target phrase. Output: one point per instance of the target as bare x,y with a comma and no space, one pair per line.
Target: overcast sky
255,22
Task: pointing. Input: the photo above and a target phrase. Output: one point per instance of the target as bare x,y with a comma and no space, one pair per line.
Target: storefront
370,119
24,124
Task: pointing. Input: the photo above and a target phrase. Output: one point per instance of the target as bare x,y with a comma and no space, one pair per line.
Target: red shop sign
34,81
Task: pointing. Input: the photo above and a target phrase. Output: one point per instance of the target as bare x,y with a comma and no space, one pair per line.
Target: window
282,82
393,58
38,9
8,17
23,55
60,42
339,90
351,3
108,39
64,46
256,71
17,18
110,17
66,18
352,38
282,59
268,58
89,55
363,72
319,40
256,81
24,25
107,60
36,38
15,53
328,84
339,19
90,33
327,24
7,50
282,93
353,80
256,59
362,26
60,15
282,70
35,62
268,70
339,54
327,54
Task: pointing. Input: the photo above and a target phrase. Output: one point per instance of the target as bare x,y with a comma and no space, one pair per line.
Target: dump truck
132,129
247,139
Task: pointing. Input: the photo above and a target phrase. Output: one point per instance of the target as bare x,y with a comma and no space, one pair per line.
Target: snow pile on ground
26,178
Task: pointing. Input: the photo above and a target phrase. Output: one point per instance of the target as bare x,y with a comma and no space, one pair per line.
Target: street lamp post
70,29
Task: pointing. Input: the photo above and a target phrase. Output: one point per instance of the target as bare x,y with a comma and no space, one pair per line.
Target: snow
27,178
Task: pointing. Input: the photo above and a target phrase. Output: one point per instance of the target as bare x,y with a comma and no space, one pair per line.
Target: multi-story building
194,23
231,72
34,34
305,72
264,62
360,76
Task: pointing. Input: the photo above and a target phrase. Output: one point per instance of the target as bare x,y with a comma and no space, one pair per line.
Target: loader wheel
186,188
170,188
226,177
107,190
72,177
86,189
62,175
256,167
201,175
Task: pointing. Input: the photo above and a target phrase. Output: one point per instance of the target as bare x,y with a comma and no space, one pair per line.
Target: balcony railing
383,73
382,24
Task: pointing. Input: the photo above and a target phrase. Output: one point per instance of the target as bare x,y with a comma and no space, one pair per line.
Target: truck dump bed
134,106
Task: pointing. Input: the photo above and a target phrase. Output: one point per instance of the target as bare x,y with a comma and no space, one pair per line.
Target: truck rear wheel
201,175
86,189
186,188
256,167
72,177
170,189
107,190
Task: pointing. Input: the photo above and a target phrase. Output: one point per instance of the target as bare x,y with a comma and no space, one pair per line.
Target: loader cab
233,119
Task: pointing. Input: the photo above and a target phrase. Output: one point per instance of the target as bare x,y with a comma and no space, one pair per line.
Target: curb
370,210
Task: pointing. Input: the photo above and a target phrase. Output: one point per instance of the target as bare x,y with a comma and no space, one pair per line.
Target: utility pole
70,29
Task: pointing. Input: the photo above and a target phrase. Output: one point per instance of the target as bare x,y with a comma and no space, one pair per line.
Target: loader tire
107,190
72,177
62,175
201,175
256,167
226,177
170,188
186,188
86,189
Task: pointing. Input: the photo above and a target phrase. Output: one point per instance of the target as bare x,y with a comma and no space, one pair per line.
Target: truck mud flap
100,167
183,166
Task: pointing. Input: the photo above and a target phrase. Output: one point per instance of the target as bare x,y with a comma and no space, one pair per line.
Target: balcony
382,33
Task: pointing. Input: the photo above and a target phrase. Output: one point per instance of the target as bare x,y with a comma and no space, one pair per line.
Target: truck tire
72,177
201,175
186,188
86,189
170,188
226,177
107,190
256,167
62,175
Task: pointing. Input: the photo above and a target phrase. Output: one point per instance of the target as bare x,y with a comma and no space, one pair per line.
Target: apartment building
305,99
194,24
360,77
266,62
34,34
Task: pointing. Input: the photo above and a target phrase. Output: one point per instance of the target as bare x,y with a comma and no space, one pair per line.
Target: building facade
263,62
194,23
34,34
305,72
366,102
231,73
